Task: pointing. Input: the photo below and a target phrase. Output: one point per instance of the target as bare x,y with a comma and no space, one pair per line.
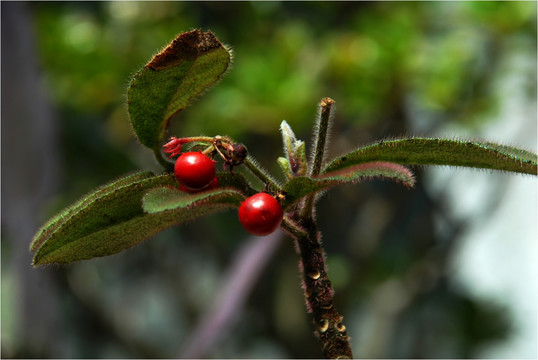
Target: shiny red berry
260,214
194,170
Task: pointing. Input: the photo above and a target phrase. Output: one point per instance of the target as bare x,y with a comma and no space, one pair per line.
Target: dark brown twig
319,293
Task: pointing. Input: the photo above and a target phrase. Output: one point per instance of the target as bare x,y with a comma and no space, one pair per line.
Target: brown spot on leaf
186,46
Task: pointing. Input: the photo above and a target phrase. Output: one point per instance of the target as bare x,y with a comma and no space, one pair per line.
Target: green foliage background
393,69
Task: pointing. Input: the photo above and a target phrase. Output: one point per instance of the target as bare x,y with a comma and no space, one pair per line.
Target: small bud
294,150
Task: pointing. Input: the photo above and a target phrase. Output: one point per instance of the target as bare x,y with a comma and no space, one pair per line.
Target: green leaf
124,235
299,187
427,151
112,218
299,156
60,219
165,199
295,151
285,167
103,223
190,64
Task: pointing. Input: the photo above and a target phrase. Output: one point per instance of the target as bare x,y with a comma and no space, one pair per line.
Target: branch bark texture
319,294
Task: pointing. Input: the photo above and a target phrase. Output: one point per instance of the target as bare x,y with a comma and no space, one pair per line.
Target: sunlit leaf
190,64
299,187
426,151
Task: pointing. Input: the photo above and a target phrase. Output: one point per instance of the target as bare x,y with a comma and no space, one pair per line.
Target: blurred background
447,269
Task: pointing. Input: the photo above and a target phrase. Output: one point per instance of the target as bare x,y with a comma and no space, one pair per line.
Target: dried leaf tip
186,46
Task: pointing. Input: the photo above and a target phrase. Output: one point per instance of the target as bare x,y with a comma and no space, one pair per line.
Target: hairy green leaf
285,167
427,151
53,224
123,235
190,64
299,187
165,198
90,227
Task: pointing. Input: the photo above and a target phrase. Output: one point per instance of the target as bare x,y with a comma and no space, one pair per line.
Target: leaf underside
188,66
301,186
427,151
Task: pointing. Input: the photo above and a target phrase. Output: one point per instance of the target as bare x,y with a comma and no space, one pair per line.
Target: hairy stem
321,134
206,139
167,165
293,228
251,164
319,293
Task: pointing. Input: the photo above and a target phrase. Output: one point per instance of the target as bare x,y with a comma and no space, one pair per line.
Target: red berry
194,170
260,214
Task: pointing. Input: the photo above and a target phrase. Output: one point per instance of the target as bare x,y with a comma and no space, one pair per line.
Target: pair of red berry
260,214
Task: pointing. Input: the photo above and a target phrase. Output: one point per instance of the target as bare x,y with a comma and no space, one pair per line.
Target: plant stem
168,166
319,293
321,133
206,139
292,228
252,165
317,287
